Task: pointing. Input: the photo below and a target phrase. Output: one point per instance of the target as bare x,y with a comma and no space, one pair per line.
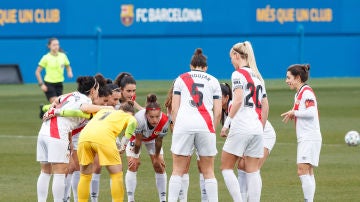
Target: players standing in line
306,116
53,139
269,139
152,126
248,114
98,137
54,64
199,94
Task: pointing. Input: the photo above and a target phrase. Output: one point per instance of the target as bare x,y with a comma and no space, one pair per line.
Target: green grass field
337,177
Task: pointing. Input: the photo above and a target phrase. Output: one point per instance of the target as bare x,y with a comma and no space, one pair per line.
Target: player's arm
91,108
217,111
130,129
264,110
175,107
238,96
158,145
72,113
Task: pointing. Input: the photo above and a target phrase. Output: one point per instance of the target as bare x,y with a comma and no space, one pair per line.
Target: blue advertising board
154,39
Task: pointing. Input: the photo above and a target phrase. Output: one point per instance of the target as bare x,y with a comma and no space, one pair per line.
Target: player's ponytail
301,70
198,59
151,103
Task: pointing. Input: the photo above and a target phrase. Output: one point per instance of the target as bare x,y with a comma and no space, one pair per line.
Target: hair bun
198,51
151,98
307,66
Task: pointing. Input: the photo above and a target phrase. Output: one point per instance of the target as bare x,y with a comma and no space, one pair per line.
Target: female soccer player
248,114
152,127
54,64
199,94
127,85
98,137
53,140
306,116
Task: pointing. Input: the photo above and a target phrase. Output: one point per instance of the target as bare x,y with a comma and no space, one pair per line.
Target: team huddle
93,126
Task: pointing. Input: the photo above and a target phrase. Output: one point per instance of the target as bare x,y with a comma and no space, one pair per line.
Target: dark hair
128,106
53,39
123,79
100,79
301,70
104,91
151,103
113,87
198,59
226,90
86,83
168,100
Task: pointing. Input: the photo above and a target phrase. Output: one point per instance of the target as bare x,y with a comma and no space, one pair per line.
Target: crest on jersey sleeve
127,14
309,103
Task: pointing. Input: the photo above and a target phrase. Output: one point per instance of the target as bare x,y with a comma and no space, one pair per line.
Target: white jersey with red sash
198,91
160,130
247,120
306,115
58,127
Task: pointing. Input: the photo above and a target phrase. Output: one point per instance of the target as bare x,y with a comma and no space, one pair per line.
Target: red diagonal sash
189,82
163,120
299,97
54,130
250,80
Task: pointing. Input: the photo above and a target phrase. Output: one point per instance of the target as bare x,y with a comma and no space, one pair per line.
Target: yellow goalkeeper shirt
106,125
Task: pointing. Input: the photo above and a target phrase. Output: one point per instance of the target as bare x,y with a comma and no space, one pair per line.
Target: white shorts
204,142
244,145
150,147
75,141
269,136
309,152
52,150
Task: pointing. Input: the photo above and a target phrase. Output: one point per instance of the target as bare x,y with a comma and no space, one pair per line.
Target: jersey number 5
196,94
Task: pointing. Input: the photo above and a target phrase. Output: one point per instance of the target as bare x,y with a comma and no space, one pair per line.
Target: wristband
40,84
227,122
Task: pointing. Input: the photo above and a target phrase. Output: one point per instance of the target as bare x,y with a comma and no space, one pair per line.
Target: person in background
54,63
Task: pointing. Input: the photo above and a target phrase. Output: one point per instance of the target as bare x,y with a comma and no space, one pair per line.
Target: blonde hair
246,52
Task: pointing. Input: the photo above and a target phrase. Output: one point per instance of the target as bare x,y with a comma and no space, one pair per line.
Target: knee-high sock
184,188
84,187
43,186
243,184
117,187
130,181
211,187
174,188
232,184
314,184
161,179
74,184
254,185
67,192
58,187
95,187
307,187
202,188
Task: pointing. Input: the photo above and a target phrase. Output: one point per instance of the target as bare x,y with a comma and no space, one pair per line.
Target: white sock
161,180
184,188
232,184
211,187
314,184
74,184
58,187
243,184
95,187
307,187
67,192
130,182
174,188
254,185
43,186
202,188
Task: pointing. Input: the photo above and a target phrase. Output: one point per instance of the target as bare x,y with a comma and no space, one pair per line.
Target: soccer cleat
41,114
